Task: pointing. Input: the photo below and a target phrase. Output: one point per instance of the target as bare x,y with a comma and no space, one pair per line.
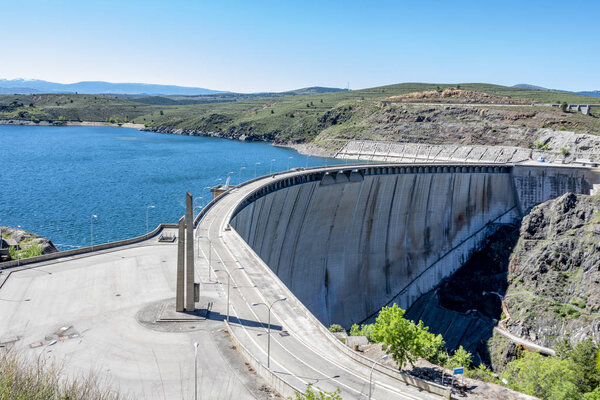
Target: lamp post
229,174
258,163
209,256
240,176
92,229
196,344
269,328
371,374
289,158
228,286
271,167
148,209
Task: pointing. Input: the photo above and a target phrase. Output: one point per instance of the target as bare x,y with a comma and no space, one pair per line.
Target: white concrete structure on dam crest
338,242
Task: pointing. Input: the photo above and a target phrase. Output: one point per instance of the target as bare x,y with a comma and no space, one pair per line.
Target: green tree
584,357
460,358
311,394
336,328
403,339
563,106
543,377
595,395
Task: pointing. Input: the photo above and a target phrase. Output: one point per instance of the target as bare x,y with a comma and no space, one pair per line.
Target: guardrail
85,250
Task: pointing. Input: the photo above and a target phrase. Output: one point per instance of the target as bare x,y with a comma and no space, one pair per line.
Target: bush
482,373
460,358
311,394
563,106
539,376
364,330
336,328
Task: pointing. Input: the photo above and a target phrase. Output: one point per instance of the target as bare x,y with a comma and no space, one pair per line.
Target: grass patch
21,379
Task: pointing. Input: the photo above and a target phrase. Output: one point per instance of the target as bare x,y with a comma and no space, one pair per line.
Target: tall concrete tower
189,267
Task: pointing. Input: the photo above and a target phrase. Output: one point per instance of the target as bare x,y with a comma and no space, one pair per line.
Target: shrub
539,376
336,328
563,106
21,379
460,358
311,394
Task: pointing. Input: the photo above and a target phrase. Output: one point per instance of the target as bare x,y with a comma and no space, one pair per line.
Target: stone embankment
563,148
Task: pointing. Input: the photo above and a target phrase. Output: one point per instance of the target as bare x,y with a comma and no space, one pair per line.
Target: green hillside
290,118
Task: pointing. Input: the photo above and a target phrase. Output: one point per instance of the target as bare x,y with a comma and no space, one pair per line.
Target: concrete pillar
179,291
189,275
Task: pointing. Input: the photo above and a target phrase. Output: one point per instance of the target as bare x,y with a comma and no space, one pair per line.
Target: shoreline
70,123
307,149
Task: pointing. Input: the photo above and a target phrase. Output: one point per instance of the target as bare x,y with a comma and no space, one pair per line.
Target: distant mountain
591,93
29,86
312,90
528,86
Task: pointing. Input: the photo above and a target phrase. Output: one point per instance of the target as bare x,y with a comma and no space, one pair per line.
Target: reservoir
53,179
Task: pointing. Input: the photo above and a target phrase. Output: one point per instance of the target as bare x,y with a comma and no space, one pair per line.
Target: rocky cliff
554,273
542,281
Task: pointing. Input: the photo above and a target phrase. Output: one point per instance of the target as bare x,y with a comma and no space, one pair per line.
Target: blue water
52,179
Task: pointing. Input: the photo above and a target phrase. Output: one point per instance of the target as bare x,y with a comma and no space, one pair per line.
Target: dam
336,242
348,241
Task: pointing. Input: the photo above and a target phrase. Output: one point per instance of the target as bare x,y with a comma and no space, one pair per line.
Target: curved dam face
348,242
347,245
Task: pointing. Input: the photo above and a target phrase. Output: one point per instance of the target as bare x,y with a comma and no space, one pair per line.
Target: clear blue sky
258,45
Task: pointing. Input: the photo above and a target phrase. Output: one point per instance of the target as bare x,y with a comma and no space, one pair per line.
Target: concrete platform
90,307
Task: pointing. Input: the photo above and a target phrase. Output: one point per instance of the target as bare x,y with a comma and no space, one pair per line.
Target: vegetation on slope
329,119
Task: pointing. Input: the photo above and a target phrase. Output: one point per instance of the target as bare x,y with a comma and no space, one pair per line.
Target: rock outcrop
541,282
25,240
554,273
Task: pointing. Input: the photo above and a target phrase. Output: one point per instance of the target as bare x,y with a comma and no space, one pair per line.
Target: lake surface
53,179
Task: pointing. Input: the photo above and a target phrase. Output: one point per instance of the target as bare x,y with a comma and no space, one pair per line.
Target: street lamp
371,374
209,256
92,229
148,209
258,163
240,176
289,158
271,167
196,344
228,286
269,328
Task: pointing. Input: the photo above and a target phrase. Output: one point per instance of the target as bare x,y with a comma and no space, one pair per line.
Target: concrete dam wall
348,242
